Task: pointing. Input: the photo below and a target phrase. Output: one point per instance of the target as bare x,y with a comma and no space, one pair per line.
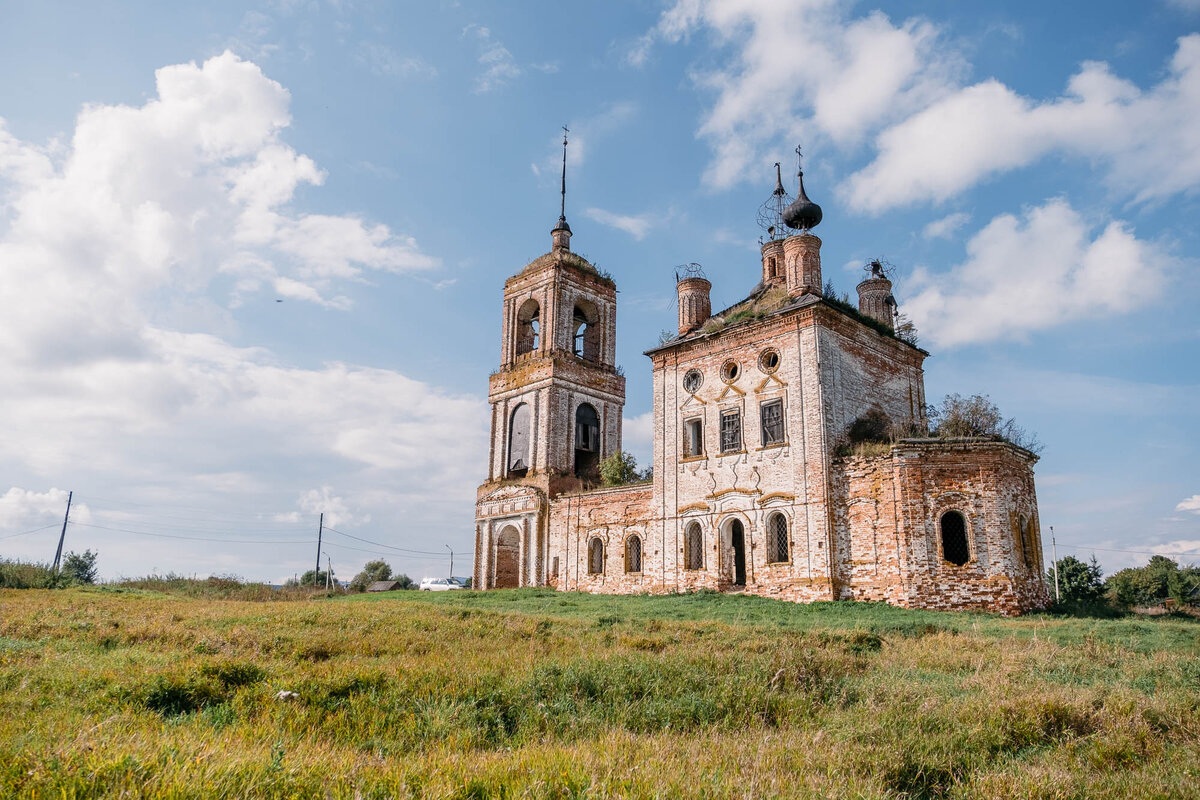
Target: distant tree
373,571
404,581
619,469
1078,581
316,578
1160,579
80,567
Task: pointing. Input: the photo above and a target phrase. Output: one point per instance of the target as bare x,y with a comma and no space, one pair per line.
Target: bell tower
556,401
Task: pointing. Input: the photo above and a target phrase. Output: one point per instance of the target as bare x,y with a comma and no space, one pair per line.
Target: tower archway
507,573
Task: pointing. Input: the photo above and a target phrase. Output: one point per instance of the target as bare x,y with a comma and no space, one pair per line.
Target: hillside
118,693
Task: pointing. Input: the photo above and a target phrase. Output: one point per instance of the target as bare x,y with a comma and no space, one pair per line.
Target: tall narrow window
595,557
772,422
518,442
955,548
693,547
777,538
1027,543
731,431
693,437
587,440
633,554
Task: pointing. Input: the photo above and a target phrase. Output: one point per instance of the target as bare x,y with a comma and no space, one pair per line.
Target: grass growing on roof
532,693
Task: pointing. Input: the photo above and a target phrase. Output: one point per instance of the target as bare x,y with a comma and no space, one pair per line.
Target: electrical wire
26,533
381,544
196,538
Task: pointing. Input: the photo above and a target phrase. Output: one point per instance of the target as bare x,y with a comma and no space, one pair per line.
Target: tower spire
803,214
562,214
560,235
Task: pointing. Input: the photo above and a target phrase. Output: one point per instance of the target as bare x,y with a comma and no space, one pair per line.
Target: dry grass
531,694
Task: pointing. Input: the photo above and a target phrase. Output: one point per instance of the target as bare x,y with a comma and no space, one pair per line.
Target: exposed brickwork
746,463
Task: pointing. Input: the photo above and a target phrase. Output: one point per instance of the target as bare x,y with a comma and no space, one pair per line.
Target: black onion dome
803,214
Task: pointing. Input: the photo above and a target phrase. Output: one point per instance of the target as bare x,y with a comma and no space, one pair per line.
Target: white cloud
946,227
636,226
1186,5
117,376
22,508
386,62
1191,504
1031,273
985,129
637,437
802,69
498,64
337,512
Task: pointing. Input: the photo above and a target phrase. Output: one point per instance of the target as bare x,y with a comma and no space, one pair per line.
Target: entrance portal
737,535
507,575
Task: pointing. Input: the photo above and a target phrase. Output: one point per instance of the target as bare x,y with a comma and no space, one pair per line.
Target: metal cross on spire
799,161
562,216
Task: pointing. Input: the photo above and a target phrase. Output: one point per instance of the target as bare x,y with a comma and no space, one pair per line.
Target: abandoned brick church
753,487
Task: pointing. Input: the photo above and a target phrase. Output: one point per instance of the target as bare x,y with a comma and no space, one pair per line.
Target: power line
26,533
1110,549
389,546
196,538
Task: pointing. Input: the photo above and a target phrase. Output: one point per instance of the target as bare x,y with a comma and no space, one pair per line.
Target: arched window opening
595,557
777,538
518,442
586,331
587,441
633,554
528,327
955,548
693,547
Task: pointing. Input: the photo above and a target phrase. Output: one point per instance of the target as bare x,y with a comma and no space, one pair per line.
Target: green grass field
128,693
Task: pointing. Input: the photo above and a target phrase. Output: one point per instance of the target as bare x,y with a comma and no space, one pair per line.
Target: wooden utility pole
1054,552
63,535
320,530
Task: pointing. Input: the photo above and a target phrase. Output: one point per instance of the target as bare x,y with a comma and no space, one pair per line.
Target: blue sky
251,258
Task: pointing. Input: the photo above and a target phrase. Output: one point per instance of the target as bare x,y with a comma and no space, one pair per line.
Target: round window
692,380
769,361
730,371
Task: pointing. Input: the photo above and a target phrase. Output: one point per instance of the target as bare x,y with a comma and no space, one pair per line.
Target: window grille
596,557
955,548
731,431
772,422
633,554
693,547
777,538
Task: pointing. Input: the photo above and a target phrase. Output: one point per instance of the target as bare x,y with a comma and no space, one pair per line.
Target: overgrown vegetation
620,469
77,569
533,693
873,432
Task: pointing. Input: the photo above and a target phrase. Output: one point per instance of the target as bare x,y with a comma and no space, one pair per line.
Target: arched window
595,557
955,548
528,327
587,440
693,547
518,442
777,538
633,554
585,331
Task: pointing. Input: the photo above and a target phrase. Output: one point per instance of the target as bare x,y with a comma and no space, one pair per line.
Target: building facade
754,488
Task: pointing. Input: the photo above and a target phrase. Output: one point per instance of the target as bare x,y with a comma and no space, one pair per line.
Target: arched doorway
507,573
736,565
